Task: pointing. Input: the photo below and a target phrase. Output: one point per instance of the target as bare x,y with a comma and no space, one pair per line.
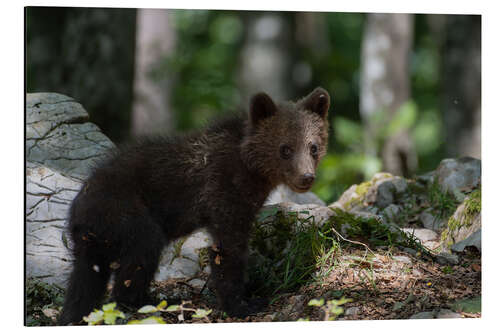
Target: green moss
453,224
178,248
363,187
472,207
444,235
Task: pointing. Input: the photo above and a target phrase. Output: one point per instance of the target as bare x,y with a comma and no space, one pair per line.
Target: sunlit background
406,89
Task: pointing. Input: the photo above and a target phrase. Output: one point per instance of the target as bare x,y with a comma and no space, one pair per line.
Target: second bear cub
150,193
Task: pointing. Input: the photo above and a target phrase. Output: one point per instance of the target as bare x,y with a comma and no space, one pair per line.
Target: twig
351,241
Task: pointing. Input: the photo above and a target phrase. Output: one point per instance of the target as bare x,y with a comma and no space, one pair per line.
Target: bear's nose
307,179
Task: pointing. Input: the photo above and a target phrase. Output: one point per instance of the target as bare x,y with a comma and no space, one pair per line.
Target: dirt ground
381,285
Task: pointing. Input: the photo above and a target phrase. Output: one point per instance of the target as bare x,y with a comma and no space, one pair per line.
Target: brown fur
152,192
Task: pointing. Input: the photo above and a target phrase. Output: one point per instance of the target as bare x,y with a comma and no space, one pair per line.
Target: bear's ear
318,101
261,107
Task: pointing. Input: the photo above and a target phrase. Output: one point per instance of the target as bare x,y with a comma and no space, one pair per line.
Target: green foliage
108,315
316,302
40,296
203,63
350,164
473,203
332,309
447,270
442,203
292,250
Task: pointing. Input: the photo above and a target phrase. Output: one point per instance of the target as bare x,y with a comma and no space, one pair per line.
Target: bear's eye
285,152
314,149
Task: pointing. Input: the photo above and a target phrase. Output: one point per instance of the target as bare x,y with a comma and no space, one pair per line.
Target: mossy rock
464,223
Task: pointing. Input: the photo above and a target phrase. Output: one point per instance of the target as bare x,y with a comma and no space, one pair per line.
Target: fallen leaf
476,267
127,283
217,260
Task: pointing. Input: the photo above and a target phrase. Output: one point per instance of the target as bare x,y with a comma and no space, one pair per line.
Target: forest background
406,89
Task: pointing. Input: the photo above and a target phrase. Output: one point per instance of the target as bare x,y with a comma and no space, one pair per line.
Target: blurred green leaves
349,164
203,65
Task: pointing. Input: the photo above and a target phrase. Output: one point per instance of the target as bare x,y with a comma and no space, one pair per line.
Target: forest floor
380,285
383,284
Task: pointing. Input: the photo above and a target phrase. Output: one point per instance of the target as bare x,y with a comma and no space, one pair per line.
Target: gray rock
352,311
194,243
423,234
284,194
400,185
429,221
179,268
454,175
402,259
445,258
426,178
446,313
197,283
464,229
391,211
385,194
298,303
58,136
310,212
48,197
472,240
423,315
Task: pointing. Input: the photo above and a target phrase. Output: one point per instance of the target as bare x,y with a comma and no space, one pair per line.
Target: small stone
352,311
429,221
298,303
446,313
391,211
423,234
197,283
402,259
423,315
445,258
410,251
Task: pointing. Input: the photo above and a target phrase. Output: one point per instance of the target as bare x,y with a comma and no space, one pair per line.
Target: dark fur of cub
147,194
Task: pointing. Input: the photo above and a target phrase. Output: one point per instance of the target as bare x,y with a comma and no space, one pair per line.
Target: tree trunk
265,62
155,40
88,54
462,85
385,86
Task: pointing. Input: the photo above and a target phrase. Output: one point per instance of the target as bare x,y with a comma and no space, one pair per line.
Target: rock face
59,137
61,147
48,197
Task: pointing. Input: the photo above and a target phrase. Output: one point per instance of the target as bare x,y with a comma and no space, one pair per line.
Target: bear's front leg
228,259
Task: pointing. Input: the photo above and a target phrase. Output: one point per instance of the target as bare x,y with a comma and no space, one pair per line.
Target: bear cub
149,193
